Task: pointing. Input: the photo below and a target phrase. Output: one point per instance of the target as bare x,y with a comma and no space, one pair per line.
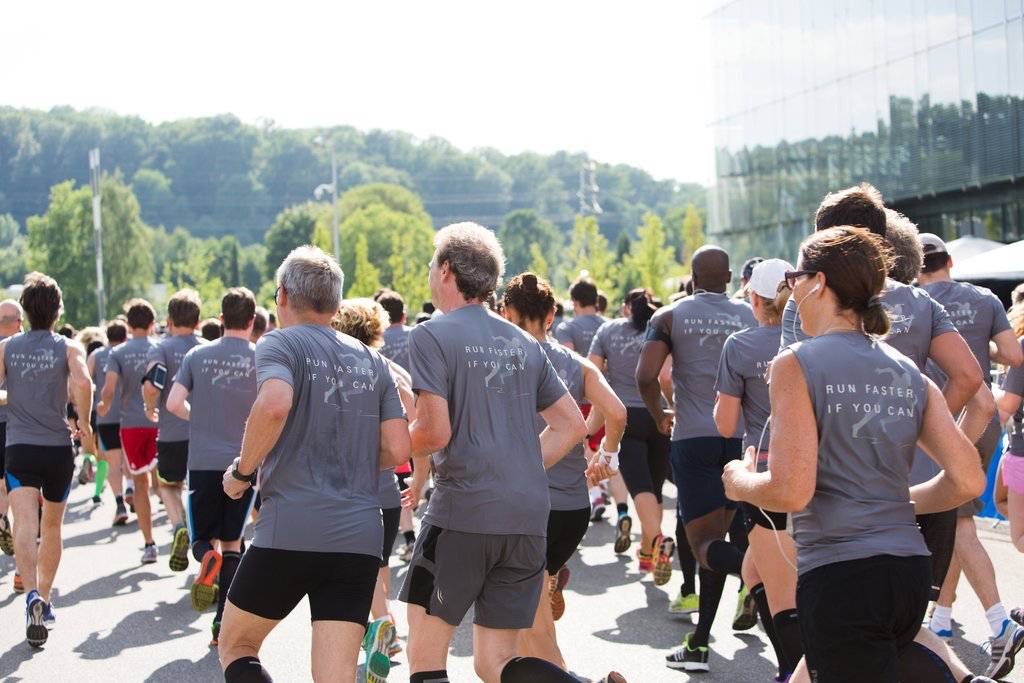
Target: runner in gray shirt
213,392
396,336
862,560
10,324
577,333
480,381
1010,399
326,420
108,427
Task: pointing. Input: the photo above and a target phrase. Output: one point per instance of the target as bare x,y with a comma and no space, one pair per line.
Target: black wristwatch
249,479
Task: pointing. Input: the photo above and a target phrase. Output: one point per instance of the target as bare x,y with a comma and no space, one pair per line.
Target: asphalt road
121,621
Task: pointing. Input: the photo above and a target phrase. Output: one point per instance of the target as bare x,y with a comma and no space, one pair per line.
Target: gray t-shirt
619,343
977,314
1014,383
221,380
396,345
700,325
3,409
490,478
129,361
869,402
36,365
319,483
170,351
741,373
99,378
580,331
567,481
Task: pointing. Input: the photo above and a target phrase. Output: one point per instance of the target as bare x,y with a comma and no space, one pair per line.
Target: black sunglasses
792,275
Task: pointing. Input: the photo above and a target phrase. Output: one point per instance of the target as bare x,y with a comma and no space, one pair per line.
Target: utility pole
333,187
587,194
94,181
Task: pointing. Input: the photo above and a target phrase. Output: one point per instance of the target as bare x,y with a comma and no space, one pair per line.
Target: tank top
567,482
36,364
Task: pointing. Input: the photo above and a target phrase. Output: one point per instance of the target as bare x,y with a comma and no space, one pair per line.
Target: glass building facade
922,98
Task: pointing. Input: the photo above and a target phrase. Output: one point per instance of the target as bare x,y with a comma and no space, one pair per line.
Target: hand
665,422
410,500
88,439
233,488
598,470
735,471
153,415
102,408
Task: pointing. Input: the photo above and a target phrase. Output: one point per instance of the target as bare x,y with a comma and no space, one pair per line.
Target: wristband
610,458
249,479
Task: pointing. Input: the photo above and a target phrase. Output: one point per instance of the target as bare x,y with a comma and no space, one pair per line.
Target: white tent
1004,263
964,248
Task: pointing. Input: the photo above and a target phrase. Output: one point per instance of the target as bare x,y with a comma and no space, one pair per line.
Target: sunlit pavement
119,621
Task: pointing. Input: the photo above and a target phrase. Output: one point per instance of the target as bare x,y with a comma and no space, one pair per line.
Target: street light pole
94,181
334,205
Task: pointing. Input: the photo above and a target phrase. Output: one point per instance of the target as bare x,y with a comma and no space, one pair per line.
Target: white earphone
815,288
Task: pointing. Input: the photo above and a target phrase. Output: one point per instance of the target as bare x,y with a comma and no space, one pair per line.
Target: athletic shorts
47,468
754,516
403,480
139,445
939,532
857,617
594,442
500,575
697,466
271,582
391,518
1013,472
566,528
172,461
211,514
110,436
986,447
643,454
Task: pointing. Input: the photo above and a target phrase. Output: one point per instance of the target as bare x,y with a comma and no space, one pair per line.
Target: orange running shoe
204,590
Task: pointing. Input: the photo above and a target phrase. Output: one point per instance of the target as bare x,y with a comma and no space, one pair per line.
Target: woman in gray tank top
847,414
530,303
1010,399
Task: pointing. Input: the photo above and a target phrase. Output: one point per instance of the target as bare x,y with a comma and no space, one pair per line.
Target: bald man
694,330
10,325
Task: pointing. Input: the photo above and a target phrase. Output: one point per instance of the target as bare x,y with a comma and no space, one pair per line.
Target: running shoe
687,658
613,677
623,539
646,561
96,500
120,515
49,618
204,589
395,646
215,629
746,611
597,513
1003,648
561,580
129,498
1017,614
6,537
943,633
663,565
149,554
84,472
178,561
405,552
35,627
685,604
19,585
375,644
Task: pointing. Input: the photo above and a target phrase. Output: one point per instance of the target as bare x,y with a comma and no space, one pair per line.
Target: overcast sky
624,82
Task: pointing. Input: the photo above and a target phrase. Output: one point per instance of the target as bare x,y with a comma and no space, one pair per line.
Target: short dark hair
260,320
584,291
602,302
67,330
272,318
238,308
140,314
394,304
184,308
530,295
428,307
117,332
42,300
211,329
859,206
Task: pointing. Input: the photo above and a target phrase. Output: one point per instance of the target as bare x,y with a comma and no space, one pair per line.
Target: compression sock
761,600
725,557
918,664
621,509
200,548
738,532
533,670
687,563
997,616
246,670
409,536
101,477
711,585
787,631
228,567
439,676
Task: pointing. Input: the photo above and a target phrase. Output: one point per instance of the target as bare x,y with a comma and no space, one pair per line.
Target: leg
775,566
977,565
142,505
495,661
379,608
540,640
649,511
429,637
25,506
50,547
617,488
932,642
1016,510
114,473
335,650
4,503
170,494
241,638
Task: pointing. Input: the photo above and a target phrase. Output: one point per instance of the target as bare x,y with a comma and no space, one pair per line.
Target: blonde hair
773,307
91,334
363,319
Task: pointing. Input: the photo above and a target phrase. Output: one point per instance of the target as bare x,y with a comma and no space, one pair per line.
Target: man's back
129,362
580,332
396,345
170,351
977,314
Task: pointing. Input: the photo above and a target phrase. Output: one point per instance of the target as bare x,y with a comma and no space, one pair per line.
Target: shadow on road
205,669
12,660
124,581
165,622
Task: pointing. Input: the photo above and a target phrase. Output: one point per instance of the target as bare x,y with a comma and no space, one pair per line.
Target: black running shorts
391,516
566,529
3,450
110,436
47,468
211,514
939,531
755,516
643,454
499,575
271,582
172,461
697,466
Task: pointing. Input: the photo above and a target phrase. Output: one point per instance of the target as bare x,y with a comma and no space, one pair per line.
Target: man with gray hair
481,381
326,420
11,316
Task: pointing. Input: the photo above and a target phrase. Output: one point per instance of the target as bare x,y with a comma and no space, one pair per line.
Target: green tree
538,264
650,258
13,251
622,246
394,197
409,266
62,244
157,202
294,227
518,231
588,251
693,234
366,278
378,225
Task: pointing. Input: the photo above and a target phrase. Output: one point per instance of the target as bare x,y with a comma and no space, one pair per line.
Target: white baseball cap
932,244
767,275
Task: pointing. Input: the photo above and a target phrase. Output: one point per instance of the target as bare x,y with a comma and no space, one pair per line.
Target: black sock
439,676
738,532
765,614
787,630
725,557
150,543
409,536
687,563
119,500
199,548
228,567
246,670
621,508
711,585
533,670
